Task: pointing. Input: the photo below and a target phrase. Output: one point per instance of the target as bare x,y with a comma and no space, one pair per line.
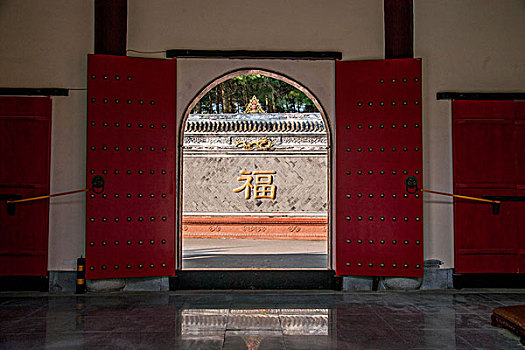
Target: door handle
10,197
495,207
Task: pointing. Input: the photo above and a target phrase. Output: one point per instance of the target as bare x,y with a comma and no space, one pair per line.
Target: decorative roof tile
256,122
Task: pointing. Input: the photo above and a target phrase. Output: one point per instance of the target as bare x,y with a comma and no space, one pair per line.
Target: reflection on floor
252,326
300,320
253,254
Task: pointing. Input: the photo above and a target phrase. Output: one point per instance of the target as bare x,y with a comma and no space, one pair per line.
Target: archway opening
255,170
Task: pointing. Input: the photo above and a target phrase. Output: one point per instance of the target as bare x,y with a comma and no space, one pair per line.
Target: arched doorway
201,136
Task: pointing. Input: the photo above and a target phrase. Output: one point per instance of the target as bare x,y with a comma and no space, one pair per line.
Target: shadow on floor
202,260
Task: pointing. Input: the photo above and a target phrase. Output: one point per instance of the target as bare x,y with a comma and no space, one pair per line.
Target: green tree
275,96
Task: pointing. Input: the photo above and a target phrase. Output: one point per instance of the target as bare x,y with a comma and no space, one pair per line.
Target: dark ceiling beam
9,91
399,28
260,54
111,26
481,96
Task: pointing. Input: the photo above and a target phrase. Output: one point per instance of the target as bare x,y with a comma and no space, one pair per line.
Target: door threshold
24,283
255,279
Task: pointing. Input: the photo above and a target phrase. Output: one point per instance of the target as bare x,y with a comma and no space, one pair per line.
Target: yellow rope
47,196
459,196
87,189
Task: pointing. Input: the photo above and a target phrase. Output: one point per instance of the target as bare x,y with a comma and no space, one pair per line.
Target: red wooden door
131,143
25,130
379,229
487,162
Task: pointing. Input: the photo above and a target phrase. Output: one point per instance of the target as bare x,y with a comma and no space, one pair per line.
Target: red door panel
483,109
520,110
25,130
520,160
474,216
131,143
379,228
488,157
520,166
520,169
520,207
484,153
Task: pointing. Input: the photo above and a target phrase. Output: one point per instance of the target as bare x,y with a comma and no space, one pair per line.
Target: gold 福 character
247,186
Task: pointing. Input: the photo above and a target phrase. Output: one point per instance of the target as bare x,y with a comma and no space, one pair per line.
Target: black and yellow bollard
81,275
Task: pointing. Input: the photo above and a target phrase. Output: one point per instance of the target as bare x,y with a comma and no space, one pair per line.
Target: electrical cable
145,52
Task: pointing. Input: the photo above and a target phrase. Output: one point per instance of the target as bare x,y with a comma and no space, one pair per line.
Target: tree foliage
233,95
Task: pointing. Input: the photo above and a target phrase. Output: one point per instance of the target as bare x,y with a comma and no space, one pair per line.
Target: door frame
179,154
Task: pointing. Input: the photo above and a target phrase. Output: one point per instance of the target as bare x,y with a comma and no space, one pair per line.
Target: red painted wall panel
520,150
379,229
481,237
25,134
483,110
520,179
520,207
131,143
485,154
488,161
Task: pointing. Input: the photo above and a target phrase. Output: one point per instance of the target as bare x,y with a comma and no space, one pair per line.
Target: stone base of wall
66,282
62,281
249,227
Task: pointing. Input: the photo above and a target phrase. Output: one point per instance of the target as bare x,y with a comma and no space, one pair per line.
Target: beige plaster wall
354,27
44,44
467,45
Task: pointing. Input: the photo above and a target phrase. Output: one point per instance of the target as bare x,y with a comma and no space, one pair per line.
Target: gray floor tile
433,339
312,342
493,339
259,340
232,320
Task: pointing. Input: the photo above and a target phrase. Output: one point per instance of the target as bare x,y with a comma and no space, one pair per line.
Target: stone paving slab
251,253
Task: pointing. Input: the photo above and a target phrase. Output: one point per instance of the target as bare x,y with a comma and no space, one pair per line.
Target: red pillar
399,33
111,25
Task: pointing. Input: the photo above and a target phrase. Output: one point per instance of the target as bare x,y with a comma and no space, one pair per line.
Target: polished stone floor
256,320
